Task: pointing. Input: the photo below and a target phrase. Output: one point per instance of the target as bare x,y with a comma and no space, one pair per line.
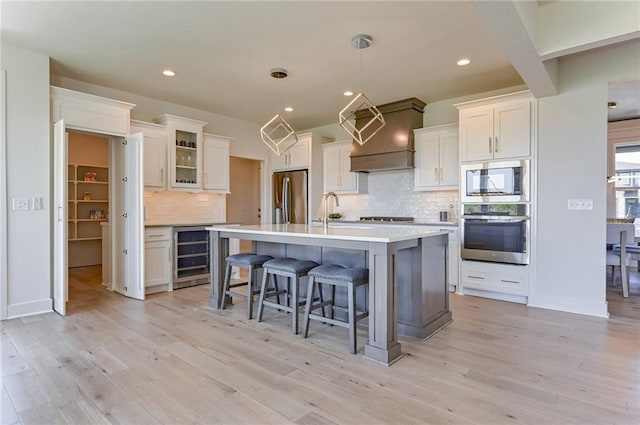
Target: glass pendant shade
347,119
278,135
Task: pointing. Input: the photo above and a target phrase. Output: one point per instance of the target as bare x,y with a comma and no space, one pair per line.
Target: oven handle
493,218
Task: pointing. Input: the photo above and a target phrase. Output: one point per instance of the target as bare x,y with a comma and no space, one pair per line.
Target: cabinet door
154,160
279,162
216,164
427,159
512,136
299,154
476,134
331,172
449,164
157,263
348,180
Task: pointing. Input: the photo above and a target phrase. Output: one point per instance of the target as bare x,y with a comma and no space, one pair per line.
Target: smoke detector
279,73
361,41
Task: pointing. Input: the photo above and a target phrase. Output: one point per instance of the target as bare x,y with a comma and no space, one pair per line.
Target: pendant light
277,133
347,116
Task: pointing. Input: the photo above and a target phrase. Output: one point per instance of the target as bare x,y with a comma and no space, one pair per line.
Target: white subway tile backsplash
170,207
391,193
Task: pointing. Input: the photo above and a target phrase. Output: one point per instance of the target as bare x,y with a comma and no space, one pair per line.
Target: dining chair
621,250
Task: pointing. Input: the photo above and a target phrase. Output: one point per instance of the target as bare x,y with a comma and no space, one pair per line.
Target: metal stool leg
294,302
250,280
352,318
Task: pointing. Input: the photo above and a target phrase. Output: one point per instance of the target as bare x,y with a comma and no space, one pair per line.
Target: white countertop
358,232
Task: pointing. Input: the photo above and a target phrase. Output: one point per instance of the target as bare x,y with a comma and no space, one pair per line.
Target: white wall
572,152
28,175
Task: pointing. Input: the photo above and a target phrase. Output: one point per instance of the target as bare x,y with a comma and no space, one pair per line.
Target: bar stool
250,261
292,269
335,275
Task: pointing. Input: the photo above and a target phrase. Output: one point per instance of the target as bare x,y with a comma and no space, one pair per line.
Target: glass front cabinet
185,151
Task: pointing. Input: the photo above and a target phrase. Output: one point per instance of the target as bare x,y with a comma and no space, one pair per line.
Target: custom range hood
392,147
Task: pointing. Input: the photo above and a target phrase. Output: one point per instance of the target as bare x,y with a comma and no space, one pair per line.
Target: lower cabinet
500,281
454,258
158,259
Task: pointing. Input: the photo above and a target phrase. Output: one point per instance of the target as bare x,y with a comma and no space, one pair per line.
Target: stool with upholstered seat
250,261
291,269
335,275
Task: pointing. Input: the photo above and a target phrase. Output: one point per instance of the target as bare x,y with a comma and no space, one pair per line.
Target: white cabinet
86,112
216,163
154,153
297,157
184,137
157,259
499,281
496,128
436,158
336,165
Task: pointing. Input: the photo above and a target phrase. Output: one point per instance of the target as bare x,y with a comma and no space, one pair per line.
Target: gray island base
408,290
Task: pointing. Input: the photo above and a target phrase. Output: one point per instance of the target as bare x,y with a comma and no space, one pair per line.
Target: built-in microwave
506,181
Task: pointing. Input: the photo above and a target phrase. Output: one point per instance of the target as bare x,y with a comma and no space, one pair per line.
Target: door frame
4,301
114,137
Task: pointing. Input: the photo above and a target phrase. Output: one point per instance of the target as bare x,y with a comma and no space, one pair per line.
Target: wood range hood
392,147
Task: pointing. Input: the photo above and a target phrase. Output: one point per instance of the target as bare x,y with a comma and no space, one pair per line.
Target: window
627,182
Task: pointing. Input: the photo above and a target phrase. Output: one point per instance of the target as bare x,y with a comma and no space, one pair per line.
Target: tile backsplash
172,207
391,193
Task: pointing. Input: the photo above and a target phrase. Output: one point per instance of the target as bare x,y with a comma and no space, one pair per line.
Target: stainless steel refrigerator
290,195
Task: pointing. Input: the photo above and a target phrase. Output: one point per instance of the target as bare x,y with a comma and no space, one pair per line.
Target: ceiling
222,52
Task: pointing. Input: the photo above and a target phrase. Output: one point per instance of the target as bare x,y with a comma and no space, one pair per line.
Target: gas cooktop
384,219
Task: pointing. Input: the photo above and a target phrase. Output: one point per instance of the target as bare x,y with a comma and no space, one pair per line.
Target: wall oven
496,232
506,181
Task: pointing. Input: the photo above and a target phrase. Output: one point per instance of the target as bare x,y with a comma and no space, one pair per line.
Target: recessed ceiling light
463,62
168,73
288,109
612,105
348,93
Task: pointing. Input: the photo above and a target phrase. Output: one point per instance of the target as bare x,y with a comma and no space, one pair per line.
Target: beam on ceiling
513,27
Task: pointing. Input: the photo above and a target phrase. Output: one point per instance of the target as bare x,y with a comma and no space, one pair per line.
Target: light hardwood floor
172,360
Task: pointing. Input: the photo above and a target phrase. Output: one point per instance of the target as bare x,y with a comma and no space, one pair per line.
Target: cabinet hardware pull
436,169
490,147
510,281
496,144
162,174
206,178
124,179
475,277
124,215
440,175
60,213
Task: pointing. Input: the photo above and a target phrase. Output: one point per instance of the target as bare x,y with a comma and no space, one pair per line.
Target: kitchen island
407,272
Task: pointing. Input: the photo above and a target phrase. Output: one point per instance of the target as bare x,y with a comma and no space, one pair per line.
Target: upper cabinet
336,165
184,137
154,153
86,112
297,157
436,158
496,128
216,163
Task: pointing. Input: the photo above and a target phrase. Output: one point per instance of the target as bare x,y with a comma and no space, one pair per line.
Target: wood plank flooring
173,360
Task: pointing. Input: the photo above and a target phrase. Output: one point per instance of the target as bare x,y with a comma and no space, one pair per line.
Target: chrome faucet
325,197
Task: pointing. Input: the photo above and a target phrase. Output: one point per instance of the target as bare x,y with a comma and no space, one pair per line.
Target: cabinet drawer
157,234
499,278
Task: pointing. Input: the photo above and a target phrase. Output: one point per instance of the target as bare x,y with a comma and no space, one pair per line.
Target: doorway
243,203
77,220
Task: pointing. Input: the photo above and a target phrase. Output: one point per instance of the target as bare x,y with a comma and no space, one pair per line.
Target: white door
60,270
128,220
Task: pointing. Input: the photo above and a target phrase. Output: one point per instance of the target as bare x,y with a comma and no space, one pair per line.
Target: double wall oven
496,212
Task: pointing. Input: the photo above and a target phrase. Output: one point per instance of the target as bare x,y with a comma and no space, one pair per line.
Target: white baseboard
29,308
570,305
495,295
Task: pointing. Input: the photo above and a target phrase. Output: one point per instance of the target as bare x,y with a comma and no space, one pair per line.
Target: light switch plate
21,204
580,204
37,202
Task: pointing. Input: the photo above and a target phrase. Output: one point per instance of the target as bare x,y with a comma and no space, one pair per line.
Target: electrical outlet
21,204
36,202
580,204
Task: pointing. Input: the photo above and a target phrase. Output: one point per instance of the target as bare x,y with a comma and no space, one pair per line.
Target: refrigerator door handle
285,200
